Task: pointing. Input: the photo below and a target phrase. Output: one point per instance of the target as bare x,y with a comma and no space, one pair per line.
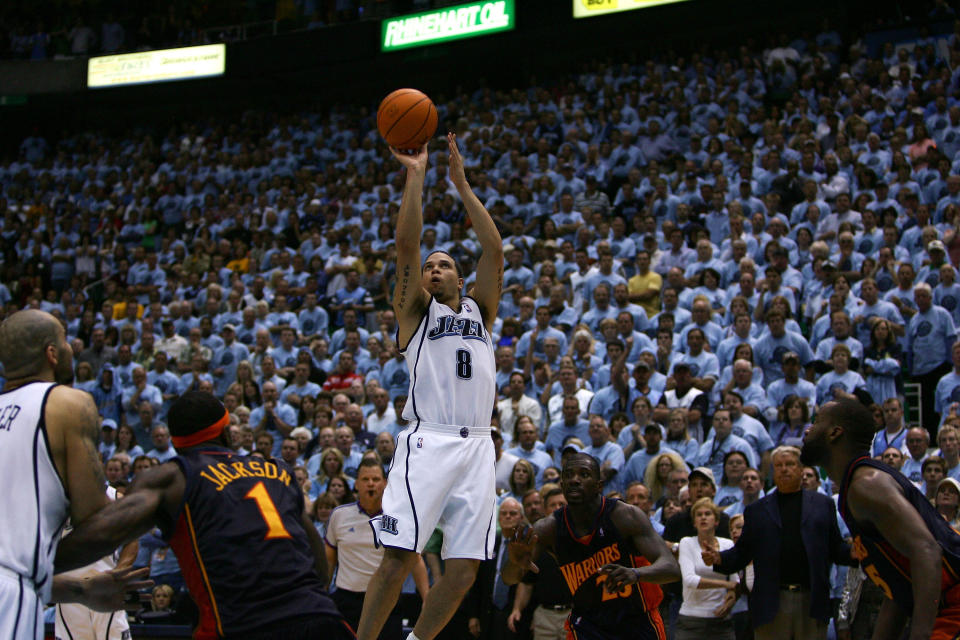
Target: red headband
207,433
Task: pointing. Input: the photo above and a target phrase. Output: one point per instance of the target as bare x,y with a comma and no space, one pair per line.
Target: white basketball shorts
444,476
21,613
76,621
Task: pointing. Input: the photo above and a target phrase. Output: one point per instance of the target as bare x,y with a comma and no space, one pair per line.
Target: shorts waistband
453,430
10,574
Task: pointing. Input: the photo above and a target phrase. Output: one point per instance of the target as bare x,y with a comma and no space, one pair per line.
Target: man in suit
792,538
490,599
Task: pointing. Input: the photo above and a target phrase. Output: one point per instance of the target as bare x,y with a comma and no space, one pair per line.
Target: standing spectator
930,336
708,596
518,404
894,433
917,443
792,537
162,450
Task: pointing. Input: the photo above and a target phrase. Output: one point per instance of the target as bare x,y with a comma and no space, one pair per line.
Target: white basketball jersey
452,368
34,505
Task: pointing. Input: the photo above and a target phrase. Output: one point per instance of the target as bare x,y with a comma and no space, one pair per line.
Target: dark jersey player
610,558
253,563
906,548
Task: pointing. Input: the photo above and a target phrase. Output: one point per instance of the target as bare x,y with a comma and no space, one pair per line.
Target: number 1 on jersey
268,510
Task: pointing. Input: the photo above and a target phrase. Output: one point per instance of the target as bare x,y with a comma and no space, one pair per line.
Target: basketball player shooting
443,471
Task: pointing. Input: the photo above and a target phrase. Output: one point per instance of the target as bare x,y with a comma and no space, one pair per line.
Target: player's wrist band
207,433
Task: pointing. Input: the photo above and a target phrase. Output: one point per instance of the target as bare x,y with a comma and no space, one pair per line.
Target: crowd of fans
700,252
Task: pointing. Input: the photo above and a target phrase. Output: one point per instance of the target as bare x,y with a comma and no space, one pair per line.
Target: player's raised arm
409,297
490,265
124,520
663,567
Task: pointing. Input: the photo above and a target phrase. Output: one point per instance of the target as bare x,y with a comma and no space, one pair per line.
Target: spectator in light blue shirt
930,337
162,450
721,442
607,453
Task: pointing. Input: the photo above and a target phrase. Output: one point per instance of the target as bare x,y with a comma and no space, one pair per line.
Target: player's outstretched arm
874,497
663,567
409,297
105,591
73,426
527,543
490,266
124,520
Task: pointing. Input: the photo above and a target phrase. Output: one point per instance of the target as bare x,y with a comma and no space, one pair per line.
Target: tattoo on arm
91,436
404,281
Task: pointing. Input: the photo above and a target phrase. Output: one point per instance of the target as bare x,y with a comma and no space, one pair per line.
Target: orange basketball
407,119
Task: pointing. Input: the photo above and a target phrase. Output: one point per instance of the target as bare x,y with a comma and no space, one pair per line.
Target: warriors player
444,469
609,555
904,546
51,467
250,557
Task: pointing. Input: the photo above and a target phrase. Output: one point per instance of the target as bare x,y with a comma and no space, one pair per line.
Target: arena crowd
700,251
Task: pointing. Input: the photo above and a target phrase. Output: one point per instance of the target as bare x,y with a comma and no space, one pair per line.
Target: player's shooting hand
520,549
108,591
617,577
413,161
457,175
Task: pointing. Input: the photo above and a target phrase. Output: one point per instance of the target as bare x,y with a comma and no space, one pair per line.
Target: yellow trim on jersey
203,569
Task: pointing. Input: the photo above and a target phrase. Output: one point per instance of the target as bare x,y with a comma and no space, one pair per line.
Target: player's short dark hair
855,418
193,411
585,457
456,263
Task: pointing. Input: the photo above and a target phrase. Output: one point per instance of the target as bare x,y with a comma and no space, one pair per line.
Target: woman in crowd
729,492
947,501
658,472
882,362
522,479
320,512
793,418
708,596
127,443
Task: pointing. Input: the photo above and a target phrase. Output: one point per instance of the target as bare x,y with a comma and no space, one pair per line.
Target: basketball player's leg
384,591
445,597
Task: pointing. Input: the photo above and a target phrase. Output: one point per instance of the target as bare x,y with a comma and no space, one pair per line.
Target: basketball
406,119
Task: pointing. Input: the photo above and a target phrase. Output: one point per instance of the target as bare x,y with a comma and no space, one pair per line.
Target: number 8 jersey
452,368
240,543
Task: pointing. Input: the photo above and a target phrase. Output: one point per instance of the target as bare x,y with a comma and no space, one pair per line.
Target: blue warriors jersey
885,566
240,543
596,613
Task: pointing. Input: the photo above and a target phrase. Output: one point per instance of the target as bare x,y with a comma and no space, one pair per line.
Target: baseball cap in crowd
166,320
641,364
948,481
109,423
228,327
704,472
936,245
570,447
917,111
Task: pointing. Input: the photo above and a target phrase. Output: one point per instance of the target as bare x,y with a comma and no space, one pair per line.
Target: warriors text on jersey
883,564
597,613
452,369
240,544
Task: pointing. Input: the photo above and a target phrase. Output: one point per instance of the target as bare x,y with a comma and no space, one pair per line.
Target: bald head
26,338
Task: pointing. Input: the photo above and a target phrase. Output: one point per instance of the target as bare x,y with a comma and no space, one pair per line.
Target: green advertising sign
462,21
